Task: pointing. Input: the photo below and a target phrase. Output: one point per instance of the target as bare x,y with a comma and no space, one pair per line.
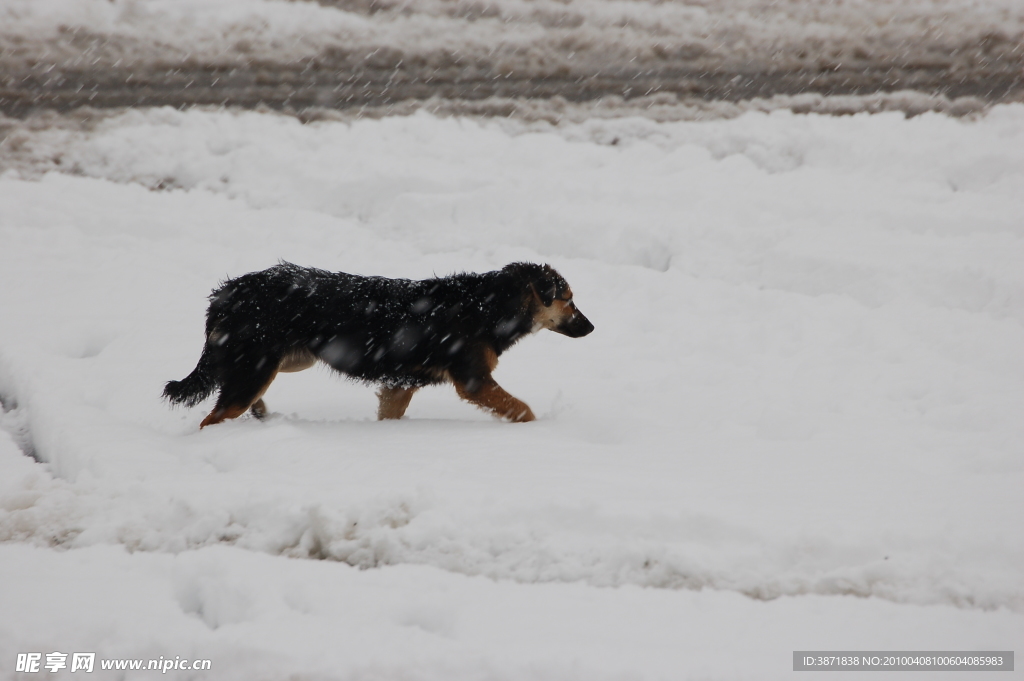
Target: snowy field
797,425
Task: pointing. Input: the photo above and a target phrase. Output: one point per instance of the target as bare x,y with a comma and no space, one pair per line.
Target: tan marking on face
555,314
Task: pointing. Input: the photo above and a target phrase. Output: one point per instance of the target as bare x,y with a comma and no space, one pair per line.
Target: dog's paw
523,415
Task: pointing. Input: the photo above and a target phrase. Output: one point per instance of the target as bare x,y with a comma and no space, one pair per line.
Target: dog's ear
549,285
543,280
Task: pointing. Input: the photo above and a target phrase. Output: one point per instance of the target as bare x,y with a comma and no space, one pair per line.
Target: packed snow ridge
544,37
381,53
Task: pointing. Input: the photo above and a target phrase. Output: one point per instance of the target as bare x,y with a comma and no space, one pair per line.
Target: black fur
392,332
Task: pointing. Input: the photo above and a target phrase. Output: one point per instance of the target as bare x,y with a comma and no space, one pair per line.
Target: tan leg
298,360
393,402
492,397
233,407
222,414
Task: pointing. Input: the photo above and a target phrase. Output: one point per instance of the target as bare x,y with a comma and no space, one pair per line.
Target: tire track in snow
526,546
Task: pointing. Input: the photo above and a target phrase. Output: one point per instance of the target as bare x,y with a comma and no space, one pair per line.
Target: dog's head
552,306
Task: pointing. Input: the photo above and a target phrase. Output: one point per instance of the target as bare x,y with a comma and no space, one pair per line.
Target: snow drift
805,381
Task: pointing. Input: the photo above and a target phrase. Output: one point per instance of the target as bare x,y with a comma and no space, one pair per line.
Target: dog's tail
195,387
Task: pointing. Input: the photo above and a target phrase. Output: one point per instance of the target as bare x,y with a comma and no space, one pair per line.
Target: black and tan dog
395,333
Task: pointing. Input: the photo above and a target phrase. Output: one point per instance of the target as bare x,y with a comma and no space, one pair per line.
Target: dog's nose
581,326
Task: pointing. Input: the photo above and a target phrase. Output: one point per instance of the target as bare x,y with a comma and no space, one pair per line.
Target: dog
398,334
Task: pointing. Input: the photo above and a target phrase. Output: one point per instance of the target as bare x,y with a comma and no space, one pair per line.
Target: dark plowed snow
346,55
283,85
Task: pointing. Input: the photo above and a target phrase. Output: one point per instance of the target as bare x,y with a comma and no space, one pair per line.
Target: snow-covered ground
545,37
796,426
351,53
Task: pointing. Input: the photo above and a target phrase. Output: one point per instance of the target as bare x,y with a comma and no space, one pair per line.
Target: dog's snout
576,326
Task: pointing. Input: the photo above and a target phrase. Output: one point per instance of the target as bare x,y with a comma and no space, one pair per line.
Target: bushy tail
195,387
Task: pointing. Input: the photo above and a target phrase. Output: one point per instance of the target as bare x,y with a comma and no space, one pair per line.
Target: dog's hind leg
296,360
242,389
259,409
393,402
487,394
222,413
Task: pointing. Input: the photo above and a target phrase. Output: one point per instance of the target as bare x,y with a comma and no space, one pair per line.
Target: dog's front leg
487,394
393,402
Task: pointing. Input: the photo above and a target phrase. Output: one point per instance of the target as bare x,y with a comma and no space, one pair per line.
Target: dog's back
397,333
389,331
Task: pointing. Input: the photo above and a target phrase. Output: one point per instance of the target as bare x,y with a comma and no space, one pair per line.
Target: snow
670,60
796,425
538,37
